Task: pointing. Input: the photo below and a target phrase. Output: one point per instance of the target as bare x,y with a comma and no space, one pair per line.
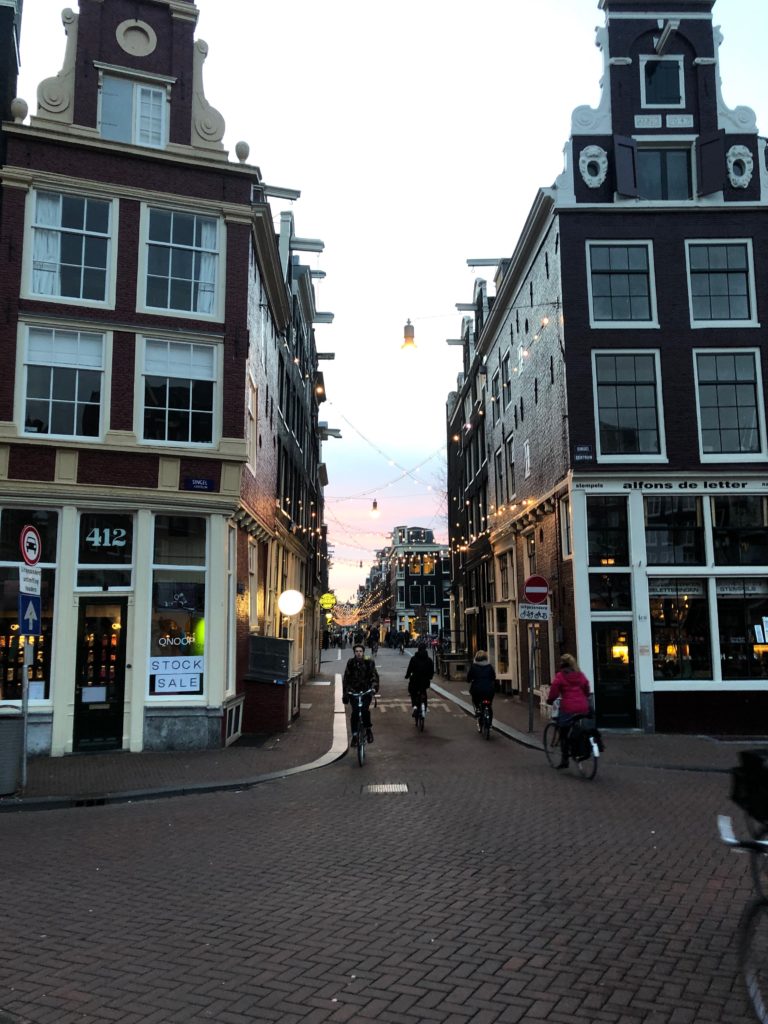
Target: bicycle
586,760
753,924
420,712
485,718
356,700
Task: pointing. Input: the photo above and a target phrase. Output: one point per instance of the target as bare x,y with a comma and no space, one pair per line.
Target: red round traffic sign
31,545
535,590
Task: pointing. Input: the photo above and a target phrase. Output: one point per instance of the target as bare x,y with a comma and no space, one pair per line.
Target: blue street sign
29,615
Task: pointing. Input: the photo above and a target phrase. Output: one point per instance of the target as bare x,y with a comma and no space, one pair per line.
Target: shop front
675,578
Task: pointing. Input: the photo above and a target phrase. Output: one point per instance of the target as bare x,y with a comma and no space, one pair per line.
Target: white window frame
527,458
653,59
752,320
217,312
30,234
661,457
141,373
24,362
762,455
159,85
653,322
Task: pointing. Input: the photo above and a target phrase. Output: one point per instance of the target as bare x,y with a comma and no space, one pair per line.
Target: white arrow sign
31,617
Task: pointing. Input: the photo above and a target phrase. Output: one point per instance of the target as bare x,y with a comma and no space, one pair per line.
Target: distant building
418,574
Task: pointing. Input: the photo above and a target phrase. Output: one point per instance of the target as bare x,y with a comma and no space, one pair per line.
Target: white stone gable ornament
740,166
593,165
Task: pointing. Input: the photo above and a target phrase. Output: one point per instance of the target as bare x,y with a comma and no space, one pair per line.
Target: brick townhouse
608,431
146,300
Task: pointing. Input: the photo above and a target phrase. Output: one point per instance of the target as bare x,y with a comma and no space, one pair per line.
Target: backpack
749,783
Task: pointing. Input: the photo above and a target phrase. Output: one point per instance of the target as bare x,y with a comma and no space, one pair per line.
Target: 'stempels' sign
648,486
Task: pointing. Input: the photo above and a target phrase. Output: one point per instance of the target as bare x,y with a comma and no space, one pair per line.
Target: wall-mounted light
290,602
408,341
375,510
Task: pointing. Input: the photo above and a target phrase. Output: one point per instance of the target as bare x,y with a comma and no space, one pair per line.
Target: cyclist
572,687
360,675
373,640
419,675
482,682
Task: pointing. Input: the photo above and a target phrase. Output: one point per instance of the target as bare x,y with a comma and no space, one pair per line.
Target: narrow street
493,890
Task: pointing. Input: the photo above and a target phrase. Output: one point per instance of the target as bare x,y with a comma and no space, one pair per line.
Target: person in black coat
419,675
360,676
482,680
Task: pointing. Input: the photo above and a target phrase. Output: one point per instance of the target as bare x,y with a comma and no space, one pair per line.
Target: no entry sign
535,590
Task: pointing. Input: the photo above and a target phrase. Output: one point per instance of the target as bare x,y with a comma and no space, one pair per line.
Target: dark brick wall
11,234
208,469
675,338
117,469
31,462
123,366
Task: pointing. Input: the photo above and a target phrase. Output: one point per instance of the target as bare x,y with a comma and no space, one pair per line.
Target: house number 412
106,538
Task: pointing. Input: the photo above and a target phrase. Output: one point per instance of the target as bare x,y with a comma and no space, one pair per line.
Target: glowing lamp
408,341
375,510
290,602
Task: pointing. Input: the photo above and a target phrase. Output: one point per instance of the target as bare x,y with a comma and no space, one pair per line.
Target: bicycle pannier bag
749,783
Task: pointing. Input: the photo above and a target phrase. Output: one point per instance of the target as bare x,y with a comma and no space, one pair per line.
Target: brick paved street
494,890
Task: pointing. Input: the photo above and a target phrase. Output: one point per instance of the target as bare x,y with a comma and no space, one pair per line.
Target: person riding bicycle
482,681
572,687
360,675
419,674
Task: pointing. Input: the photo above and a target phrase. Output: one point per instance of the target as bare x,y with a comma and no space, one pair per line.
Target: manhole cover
386,787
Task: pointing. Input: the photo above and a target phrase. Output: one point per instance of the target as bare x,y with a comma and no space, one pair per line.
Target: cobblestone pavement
492,890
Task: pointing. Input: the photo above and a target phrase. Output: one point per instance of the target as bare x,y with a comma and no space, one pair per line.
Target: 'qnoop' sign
182,674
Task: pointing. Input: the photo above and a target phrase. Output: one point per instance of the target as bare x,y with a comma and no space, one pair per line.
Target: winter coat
572,687
482,681
420,672
359,675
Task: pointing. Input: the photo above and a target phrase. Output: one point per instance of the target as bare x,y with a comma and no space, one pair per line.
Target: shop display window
742,612
105,551
674,530
607,529
680,633
740,529
610,591
13,521
12,645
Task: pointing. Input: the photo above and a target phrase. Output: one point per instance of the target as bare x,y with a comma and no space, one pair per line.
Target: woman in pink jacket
572,687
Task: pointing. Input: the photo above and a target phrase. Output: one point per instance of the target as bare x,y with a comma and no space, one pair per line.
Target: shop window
621,284
730,405
177,637
182,262
133,112
740,529
628,403
13,646
742,612
179,392
607,531
610,591
674,530
680,633
71,244
661,82
13,521
105,551
721,286
64,377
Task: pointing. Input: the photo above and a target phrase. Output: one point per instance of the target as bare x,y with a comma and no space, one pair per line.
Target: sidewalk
317,738
630,748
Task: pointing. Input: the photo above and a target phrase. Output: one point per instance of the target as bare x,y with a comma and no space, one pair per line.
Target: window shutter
710,164
116,108
625,158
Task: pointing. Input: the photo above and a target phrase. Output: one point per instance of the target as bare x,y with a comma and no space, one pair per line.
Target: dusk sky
418,134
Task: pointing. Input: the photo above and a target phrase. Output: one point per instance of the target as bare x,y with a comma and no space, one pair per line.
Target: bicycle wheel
361,746
487,724
758,862
587,766
753,956
552,744
420,718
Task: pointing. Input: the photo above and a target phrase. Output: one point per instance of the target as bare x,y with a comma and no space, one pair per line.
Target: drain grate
386,787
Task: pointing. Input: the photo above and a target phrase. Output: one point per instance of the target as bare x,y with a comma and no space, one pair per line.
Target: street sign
29,579
31,545
535,590
29,615
533,612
